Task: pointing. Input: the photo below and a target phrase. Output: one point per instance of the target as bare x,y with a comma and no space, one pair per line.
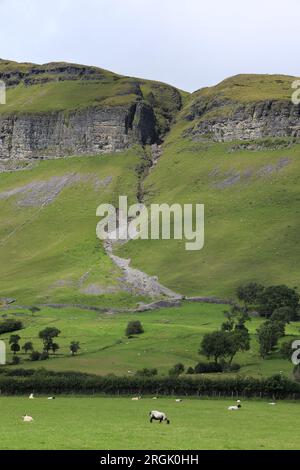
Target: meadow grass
118,423
171,336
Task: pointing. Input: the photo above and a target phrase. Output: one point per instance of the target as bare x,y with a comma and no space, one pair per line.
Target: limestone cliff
62,109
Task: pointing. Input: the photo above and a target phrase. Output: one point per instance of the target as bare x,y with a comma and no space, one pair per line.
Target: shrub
134,328
35,356
208,367
146,373
9,325
176,370
190,371
44,356
16,360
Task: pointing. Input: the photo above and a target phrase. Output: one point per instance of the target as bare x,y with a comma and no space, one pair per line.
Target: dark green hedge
18,382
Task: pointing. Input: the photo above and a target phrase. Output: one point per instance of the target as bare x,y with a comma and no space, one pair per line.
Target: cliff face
88,131
60,109
251,122
245,107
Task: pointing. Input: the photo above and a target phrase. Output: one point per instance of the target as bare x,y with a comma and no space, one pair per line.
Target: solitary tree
268,335
74,347
134,328
216,345
14,343
28,346
47,335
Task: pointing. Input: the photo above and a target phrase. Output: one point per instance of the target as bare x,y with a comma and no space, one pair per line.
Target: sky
187,43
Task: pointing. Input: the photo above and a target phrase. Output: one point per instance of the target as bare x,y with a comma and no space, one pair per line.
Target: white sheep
31,396
27,419
158,416
136,398
178,400
51,398
235,407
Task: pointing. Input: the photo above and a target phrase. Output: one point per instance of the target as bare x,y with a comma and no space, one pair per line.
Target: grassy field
119,423
171,336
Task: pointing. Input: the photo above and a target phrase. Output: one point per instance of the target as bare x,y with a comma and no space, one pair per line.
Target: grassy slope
171,336
56,245
252,224
119,423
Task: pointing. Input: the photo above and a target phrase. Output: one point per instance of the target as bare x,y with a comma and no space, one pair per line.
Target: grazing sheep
31,396
158,416
235,407
273,404
27,419
51,398
178,400
154,398
136,398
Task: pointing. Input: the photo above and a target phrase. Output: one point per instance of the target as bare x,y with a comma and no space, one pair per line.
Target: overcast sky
188,43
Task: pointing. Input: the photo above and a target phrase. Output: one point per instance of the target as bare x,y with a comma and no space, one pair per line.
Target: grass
251,200
171,336
118,423
51,253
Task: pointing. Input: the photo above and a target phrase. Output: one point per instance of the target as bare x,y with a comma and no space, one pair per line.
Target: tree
28,346
236,318
47,335
74,347
216,345
14,343
54,347
134,328
249,293
275,297
284,314
268,335
15,347
177,370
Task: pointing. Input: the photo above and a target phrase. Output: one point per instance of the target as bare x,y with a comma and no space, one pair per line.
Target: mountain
233,147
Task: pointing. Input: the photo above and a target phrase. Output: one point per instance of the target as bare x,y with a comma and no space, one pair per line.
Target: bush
190,371
50,382
15,360
35,356
208,367
146,373
176,370
234,367
134,328
44,356
9,325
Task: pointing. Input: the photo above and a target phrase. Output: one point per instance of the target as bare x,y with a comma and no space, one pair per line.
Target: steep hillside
233,147
61,109
249,185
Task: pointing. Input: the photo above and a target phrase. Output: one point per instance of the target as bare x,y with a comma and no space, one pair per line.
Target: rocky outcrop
226,121
89,131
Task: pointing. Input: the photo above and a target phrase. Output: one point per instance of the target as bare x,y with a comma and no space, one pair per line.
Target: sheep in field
51,398
158,416
31,396
235,407
27,419
136,398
